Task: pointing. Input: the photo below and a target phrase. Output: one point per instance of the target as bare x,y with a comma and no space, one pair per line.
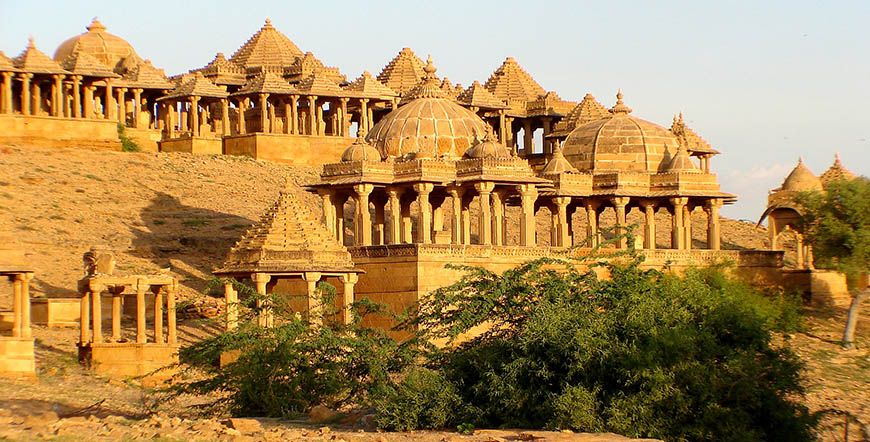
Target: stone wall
301,150
19,130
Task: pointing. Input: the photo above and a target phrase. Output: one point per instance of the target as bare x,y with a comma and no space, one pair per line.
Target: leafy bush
127,144
423,399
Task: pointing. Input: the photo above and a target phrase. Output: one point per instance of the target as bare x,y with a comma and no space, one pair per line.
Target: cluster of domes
802,179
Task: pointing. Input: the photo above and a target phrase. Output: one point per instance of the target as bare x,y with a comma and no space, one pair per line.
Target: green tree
837,224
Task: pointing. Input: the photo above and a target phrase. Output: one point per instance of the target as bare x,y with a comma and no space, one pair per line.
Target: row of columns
91,303
21,304
73,98
187,117
492,222
314,307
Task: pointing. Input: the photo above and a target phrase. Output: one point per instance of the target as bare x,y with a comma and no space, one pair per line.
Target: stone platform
124,359
16,357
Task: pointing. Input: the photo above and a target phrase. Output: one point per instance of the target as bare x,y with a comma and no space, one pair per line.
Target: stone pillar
171,328
77,96
349,279
225,117
140,313
497,218
799,248
484,228
593,234
502,130
26,331
294,114
56,94
263,104
363,219
6,93
194,116
108,102
122,105
370,119
511,137
338,202
312,115
35,98
407,238
456,222
380,218
466,218
345,121
677,235
17,289
528,195
328,215
364,114
117,298
158,314
264,319
88,105
243,104
619,204
528,148
171,119
563,237
687,227
137,106
84,317
649,225
714,240
321,125
548,127
231,302
424,222
315,304
395,231
25,93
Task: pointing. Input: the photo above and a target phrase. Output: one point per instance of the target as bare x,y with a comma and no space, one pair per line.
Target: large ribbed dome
105,47
430,125
801,179
620,143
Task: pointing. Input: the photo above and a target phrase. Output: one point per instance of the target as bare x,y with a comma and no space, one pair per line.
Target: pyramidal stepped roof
477,95
403,72
589,109
288,238
35,61
266,83
321,84
836,172
450,89
82,63
268,47
366,85
6,63
196,85
511,82
146,75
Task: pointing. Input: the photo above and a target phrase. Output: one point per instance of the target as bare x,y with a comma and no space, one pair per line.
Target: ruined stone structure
16,344
117,354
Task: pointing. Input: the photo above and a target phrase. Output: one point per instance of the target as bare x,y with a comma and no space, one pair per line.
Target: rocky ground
184,212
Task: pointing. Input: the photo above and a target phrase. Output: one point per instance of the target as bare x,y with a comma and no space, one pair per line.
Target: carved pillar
345,121
502,130
312,115
225,117
137,106
563,237
56,94
338,202
77,96
260,280
328,216
349,279
122,105
528,148
88,105
407,238
395,230
619,204
294,114
36,98
687,227
243,104
528,195
97,314
158,314
315,304
140,313
548,143
364,114
171,290
117,298
678,233
25,93
713,224
424,222
6,93
497,218
649,225
84,317
231,302
593,233
194,115
108,102
363,219
799,248
17,289
26,331
484,228
456,222
509,133
264,113
466,218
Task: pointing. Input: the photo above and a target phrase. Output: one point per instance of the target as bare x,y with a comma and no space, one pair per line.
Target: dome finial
268,23
837,159
95,26
620,107
430,68
31,43
361,132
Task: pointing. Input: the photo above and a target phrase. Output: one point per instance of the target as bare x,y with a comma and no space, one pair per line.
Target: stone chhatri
511,82
267,48
108,48
196,86
478,96
403,72
35,61
836,172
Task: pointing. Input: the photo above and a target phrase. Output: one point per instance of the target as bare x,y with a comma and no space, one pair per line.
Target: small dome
682,163
801,179
360,150
105,47
430,125
620,143
488,148
558,164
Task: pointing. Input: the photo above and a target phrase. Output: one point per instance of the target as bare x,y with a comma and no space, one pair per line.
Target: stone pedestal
16,357
131,360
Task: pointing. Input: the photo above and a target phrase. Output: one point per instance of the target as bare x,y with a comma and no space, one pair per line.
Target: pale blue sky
764,82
